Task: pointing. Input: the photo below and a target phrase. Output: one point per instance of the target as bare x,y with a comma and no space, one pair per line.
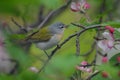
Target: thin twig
16,23
77,46
92,75
54,12
24,21
44,65
78,25
22,29
87,17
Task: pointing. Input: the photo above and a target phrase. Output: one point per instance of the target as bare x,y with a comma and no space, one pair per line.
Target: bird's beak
66,26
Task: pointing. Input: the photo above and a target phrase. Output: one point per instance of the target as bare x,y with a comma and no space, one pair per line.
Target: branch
77,46
66,40
16,23
92,75
78,25
44,65
22,30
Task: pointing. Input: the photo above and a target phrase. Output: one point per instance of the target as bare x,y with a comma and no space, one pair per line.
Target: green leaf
28,75
62,67
116,34
15,7
112,23
18,54
113,60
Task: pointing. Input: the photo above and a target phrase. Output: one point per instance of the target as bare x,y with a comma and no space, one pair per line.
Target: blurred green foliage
62,65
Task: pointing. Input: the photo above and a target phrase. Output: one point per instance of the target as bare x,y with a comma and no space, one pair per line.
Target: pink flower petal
103,45
108,36
86,6
104,59
33,69
111,29
110,44
74,7
80,68
84,63
88,70
118,59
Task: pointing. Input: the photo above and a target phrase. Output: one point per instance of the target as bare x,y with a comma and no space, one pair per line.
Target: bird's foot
46,53
58,46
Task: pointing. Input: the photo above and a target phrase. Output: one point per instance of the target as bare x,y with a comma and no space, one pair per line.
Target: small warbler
47,37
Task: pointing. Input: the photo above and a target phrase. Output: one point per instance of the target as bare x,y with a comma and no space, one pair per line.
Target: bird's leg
58,46
46,53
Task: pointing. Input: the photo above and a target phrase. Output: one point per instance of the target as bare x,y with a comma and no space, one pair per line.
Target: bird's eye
61,27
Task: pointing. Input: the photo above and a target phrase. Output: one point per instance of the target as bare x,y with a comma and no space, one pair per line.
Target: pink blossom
106,44
74,7
79,6
84,63
33,69
111,30
118,59
88,70
86,6
83,67
104,59
104,74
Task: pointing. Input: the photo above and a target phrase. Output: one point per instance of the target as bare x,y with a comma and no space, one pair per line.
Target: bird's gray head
57,28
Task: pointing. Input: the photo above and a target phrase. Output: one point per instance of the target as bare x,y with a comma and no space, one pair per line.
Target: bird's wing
39,36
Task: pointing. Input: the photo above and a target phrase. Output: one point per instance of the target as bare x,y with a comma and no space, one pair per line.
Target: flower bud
110,28
74,7
86,6
119,73
33,69
104,74
84,63
104,59
118,59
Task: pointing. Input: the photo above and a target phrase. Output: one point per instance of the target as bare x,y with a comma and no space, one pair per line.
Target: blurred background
19,63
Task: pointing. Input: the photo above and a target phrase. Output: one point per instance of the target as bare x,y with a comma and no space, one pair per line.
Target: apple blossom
74,7
106,44
84,63
119,73
111,29
83,67
33,69
104,74
104,59
86,6
79,6
118,59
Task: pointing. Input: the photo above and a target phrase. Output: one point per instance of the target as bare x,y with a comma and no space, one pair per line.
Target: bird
47,37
